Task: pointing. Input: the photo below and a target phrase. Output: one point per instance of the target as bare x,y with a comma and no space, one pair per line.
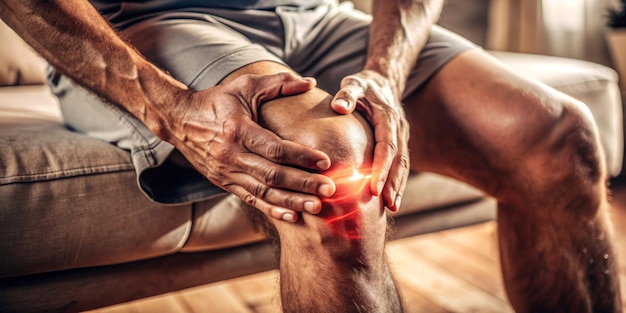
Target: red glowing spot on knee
346,225
350,184
341,217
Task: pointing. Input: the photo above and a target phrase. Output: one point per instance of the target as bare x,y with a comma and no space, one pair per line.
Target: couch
76,233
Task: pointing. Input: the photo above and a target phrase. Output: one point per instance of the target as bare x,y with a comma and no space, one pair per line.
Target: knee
565,161
353,215
309,120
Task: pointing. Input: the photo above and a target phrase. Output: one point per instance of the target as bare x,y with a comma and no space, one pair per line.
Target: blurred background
567,28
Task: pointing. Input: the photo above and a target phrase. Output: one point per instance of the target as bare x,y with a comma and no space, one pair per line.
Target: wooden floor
449,271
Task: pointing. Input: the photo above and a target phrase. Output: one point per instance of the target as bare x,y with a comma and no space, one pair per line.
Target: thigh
479,122
335,46
197,48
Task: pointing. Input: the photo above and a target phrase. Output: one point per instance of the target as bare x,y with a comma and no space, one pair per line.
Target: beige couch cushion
20,64
67,200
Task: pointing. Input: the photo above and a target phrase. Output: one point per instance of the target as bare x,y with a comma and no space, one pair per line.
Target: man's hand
216,130
375,97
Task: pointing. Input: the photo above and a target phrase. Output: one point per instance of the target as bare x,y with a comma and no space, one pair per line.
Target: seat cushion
69,200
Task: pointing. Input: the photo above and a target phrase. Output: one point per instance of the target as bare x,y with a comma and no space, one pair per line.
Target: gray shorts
200,47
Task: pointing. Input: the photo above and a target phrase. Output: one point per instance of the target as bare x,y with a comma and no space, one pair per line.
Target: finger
383,158
252,192
396,182
286,177
268,145
385,151
272,211
293,201
269,87
345,100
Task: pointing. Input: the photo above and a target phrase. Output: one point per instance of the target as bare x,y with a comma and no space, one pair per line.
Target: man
191,95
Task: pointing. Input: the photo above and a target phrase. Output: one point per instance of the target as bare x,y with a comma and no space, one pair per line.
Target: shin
337,254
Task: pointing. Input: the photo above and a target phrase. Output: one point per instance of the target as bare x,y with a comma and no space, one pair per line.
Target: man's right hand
216,130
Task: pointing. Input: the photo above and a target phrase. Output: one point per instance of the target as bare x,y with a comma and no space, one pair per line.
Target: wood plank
414,300
260,292
214,298
120,308
445,289
481,273
162,304
474,239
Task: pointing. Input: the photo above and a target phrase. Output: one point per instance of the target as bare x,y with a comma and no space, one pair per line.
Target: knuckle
223,156
404,161
347,80
273,177
395,116
285,76
256,141
290,202
346,93
275,152
230,131
306,184
353,82
260,191
249,199
219,169
392,147
246,81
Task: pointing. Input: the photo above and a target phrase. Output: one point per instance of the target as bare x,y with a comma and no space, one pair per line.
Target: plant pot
616,38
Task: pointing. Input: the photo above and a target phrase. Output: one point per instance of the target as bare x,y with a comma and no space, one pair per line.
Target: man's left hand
377,98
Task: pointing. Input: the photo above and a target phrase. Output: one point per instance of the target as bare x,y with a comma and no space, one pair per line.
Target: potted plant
616,38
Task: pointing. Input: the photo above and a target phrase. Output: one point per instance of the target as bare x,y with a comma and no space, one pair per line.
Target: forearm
73,37
398,33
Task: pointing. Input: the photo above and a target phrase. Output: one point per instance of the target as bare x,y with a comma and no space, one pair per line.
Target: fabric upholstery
70,201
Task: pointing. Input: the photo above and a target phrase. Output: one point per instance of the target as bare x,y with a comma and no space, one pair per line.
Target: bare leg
333,261
537,152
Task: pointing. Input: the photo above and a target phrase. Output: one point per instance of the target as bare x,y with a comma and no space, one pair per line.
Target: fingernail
308,79
322,164
342,103
380,186
289,217
309,206
326,190
397,203
393,198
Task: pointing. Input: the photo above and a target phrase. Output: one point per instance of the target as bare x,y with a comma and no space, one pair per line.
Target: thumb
282,84
346,98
